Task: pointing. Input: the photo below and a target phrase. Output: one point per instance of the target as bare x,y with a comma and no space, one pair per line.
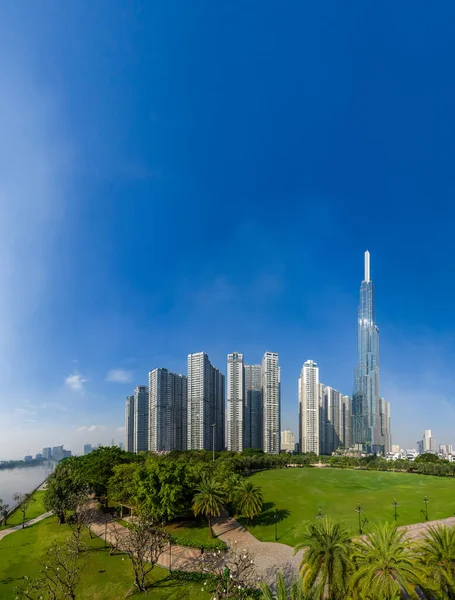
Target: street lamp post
395,505
359,510
426,508
105,533
213,441
170,554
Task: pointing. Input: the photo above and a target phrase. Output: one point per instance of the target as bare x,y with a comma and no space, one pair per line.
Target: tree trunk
61,518
210,525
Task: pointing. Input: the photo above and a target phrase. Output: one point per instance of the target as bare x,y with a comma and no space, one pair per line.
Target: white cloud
25,411
30,421
121,429
76,382
119,376
91,428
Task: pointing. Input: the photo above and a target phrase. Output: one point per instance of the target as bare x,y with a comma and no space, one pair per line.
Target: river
24,479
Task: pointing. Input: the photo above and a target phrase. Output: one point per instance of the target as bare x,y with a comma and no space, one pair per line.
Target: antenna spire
367,266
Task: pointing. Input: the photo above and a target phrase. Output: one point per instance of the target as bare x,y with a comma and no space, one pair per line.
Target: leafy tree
248,499
24,501
163,489
437,553
65,489
122,486
384,565
283,592
144,543
427,457
97,468
209,500
4,510
325,562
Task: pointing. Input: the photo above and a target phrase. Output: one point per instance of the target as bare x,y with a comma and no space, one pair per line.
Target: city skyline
131,254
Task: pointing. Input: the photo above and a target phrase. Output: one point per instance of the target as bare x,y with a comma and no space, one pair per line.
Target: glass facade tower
366,403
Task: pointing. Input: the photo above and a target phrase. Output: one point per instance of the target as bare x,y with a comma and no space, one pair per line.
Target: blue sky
187,176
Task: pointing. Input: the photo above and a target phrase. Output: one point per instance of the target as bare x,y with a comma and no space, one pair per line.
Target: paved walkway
269,557
417,530
174,558
27,524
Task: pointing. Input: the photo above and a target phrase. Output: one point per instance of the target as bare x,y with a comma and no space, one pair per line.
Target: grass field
193,530
34,510
301,492
104,577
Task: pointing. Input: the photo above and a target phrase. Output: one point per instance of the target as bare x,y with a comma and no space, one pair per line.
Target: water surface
21,480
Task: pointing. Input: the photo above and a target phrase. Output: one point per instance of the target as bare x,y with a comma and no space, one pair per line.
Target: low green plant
188,542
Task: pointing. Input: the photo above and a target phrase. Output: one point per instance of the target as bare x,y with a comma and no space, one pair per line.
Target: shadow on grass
270,517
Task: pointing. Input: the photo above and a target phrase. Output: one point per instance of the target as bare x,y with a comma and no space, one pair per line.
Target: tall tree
385,565
209,500
4,510
65,489
248,499
437,554
24,501
325,564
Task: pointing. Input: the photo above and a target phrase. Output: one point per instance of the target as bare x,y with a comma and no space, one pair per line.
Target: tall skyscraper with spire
366,403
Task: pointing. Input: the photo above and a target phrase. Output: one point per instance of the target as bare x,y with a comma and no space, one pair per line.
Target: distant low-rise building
87,448
28,458
39,456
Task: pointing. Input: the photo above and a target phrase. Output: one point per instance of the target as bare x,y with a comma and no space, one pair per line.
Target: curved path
5,532
270,557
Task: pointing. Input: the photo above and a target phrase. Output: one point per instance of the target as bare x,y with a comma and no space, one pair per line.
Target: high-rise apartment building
87,448
334,420
384,411
205,404
253,425
347,421
271,398
141,418
429,443
47,453
366,419
309,391
129,424
287,441
235,402
168,403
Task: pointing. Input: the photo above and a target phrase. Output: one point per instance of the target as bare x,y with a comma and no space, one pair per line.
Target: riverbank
35,509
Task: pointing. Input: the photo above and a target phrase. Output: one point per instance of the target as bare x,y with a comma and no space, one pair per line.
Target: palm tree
248,499
295,592
384,564
437,553
325,566
209,500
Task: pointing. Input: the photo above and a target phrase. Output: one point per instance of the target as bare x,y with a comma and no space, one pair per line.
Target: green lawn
34,510
104,577
302,492
193,530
